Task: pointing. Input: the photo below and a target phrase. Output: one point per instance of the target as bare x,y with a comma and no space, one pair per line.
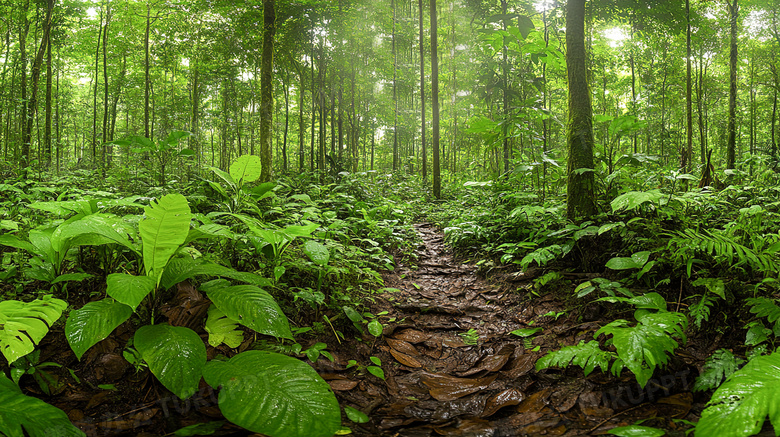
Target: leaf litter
438,384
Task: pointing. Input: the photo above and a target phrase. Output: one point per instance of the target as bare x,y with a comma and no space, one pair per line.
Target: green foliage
644,346
222,329
715,289
722,247
586,355
636,431
163,229
250,306
94,322
719,366
766,307
274,394
24,324
175,355
22,415
742,403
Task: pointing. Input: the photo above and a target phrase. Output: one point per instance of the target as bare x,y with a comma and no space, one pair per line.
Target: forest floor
451,365
443,380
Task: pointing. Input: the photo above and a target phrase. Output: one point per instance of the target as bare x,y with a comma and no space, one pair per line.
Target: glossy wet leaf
250,306
94,322
376,371
636,431
22,415
742,403
526,332
274,394
24,324
317,252
448,388
128,289
163,229
375,328
175,355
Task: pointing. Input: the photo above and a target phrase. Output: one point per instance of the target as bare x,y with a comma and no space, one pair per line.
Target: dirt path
442,381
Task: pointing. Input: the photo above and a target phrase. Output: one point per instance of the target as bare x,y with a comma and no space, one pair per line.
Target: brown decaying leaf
188,308
411,336
405,359
491,363
510,396
447,388
342,384
403,347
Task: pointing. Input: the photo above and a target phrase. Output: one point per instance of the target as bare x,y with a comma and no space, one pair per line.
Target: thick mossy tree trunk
266,88
580,193
731,154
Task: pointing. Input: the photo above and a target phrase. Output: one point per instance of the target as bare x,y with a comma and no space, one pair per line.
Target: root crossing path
452,366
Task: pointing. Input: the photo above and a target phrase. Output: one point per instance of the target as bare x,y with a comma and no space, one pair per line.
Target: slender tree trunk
266,90
147,74
395,95
47,125
505,94
195,119
95,88
686,163
422,96
35,75
580,184
24,27
286,89
731,154
435,99
105,87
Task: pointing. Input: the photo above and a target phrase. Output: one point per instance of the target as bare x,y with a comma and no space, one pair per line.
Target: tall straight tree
731,147
435,100
422,96
266,90
687,156
35,75
580,195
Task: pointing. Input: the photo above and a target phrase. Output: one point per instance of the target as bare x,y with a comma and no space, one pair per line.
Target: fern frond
766,307
740,406
721,246
586,355
717,367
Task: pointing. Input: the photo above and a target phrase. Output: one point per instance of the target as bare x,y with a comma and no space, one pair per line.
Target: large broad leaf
645,346
246,169
20,414
636,261
16,242
317,252
633,199
128,289
92,230
24,324
180,269
225,177
175,355
94,322
222,329
740,406
163,230
249,306
275,395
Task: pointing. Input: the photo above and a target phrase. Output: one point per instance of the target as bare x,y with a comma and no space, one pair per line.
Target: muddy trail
452,366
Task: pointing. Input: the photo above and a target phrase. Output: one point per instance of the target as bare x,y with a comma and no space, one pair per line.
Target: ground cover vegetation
200,198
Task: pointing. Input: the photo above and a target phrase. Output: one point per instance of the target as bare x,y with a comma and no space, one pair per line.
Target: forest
305,218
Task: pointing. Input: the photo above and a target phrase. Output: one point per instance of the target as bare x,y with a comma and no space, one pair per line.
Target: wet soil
453,367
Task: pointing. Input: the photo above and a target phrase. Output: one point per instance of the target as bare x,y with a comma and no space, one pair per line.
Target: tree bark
266,90
731,154
580,182
435,100
687,157
422,97
35,75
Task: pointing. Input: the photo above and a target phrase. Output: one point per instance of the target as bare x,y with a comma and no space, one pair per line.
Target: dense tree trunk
105,162
266,90
435,100
686,163
47,123
395,93
580,182
505,94
147,73
731,147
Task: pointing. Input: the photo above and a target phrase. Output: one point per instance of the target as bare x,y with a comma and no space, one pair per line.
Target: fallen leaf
510,396
411,336
342,384
405,359
448,388
403,346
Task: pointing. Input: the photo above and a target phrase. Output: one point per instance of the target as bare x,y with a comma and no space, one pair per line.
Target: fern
543,255
766,307
586,355
722,248
715,288
645,346
740,406
717,367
